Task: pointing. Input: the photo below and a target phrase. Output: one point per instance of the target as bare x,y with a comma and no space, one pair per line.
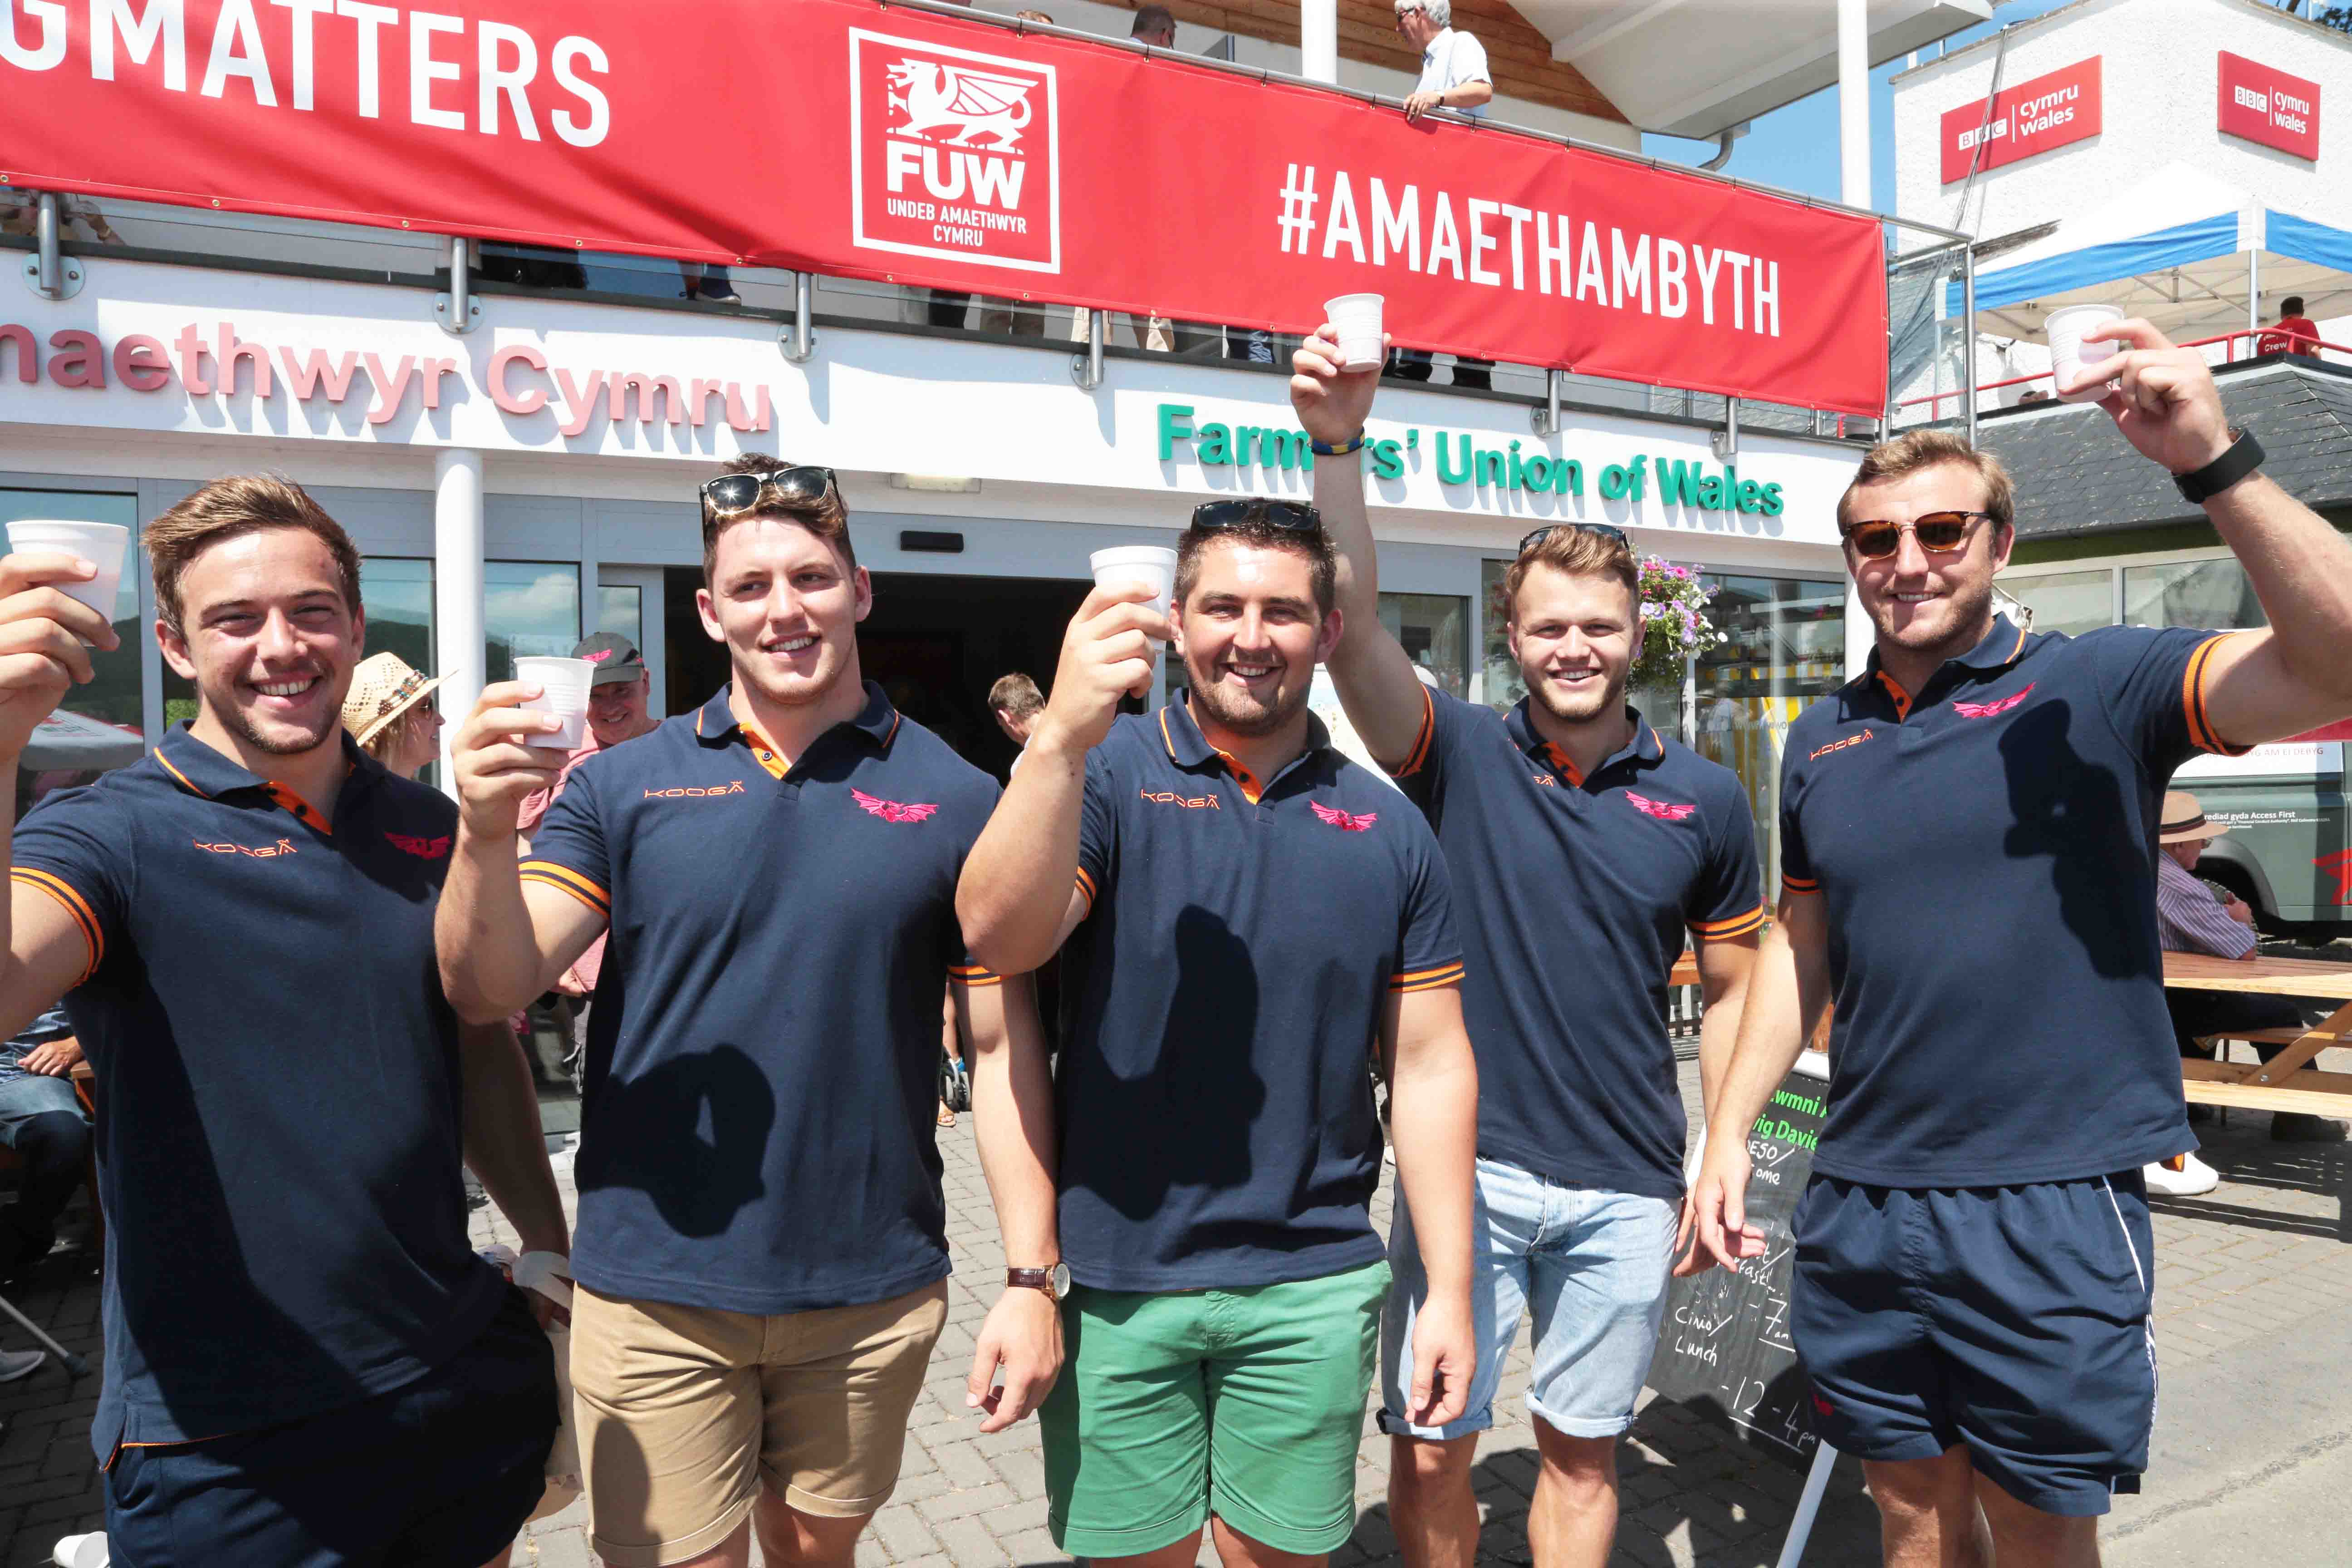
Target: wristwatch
1054,1281
2244,456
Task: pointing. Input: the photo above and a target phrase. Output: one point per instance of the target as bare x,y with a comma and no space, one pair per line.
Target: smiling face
420,739
1931,606
787,606
1575,634
616,709
1250,636
268,639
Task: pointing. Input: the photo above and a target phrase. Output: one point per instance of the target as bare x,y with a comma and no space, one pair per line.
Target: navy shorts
440,1472
2012,1319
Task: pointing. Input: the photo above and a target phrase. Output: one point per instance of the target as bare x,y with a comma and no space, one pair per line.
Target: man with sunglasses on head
760,1244
1584,846
1254,915
1968,853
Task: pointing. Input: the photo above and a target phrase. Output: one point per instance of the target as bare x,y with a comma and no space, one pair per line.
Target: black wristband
2244,456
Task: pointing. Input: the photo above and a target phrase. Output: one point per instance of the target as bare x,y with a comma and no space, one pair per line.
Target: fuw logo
955,154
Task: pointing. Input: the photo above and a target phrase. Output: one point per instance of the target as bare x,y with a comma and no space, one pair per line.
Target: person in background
2196,916
1016,703
707,281
2296,333
1453,75
42,1119
391,714
619,695
20,213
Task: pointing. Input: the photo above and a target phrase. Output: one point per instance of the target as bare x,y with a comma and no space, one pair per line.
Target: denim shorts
1590,1265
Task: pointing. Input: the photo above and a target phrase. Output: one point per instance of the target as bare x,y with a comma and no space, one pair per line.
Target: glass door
629,601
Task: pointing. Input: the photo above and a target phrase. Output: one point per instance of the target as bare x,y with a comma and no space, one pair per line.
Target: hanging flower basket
1674,621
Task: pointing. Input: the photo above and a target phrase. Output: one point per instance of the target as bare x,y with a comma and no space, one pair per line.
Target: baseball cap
615,656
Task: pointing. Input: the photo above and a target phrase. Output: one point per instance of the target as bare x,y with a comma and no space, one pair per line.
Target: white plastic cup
2069,355
1357,318
563,692
1151,564
103,545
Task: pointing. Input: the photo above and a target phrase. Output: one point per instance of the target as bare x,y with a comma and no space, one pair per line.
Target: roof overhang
1695,68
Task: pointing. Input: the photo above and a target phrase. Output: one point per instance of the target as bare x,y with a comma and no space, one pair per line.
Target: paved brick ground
2264,1253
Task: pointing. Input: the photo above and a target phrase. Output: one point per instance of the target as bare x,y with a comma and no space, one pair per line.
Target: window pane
113,696
621,608
1434,630
2212,593
528,607
1784,645
2069,602
1501,685
398,595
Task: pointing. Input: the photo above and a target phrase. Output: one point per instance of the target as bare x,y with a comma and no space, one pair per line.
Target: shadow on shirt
648,1132
2070,812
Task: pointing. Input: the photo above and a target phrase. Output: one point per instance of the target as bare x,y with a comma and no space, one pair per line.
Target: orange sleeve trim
1420,753
1428,979
1087,886
1799,884
94,935
2201,733
974,974
1737,925
570,881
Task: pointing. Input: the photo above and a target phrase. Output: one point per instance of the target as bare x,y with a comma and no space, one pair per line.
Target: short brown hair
1578,552
1016,694
231,508
1922,449
828,518
1256,527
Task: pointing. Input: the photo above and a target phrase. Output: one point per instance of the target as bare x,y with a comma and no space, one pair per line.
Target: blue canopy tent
2213,260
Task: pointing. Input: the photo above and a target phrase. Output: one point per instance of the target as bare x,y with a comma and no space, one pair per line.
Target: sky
1795,147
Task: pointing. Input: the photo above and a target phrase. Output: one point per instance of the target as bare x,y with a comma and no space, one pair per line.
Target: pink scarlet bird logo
1662,810
1986,710
1345,821
599,657
891,810
423,848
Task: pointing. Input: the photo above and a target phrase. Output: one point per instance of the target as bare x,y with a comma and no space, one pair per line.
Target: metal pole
1086,369
73,1363
1853,102
2253,302
457,588
50,277
802,340
1809,1504
1968,315
461,284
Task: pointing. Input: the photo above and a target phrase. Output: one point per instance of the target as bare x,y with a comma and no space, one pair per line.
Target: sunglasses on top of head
1938,533
801,485
1536,536
1286,516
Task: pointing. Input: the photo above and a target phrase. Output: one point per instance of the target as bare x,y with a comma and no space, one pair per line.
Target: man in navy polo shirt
1967,845
762,1245
305,1362
1254,915
1584,845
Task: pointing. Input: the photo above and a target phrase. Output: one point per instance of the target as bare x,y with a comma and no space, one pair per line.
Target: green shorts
1246,1403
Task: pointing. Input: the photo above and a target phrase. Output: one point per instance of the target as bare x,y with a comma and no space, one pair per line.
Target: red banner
2032,118
850,138
2264,104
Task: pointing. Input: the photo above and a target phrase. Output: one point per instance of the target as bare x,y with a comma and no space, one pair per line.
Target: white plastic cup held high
1357,319
103,545
563,692
1151,564
2069,354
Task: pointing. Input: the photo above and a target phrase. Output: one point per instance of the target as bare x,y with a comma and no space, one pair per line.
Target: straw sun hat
382,687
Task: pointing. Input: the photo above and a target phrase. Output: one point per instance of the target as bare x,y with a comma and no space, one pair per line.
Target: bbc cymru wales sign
2022,121
1494,471
2266,105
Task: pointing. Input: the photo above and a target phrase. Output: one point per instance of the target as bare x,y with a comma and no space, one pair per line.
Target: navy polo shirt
278,1089
1574,895
1986,847
1240,943
762,1059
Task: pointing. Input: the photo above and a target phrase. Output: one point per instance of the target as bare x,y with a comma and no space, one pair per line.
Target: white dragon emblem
935,96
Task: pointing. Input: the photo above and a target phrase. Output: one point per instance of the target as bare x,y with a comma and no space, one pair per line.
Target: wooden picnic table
2288,1081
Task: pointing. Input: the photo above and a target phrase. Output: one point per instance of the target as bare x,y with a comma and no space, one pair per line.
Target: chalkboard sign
1725,1350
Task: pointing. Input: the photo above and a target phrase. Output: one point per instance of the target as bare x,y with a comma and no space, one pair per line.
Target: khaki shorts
681,1411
